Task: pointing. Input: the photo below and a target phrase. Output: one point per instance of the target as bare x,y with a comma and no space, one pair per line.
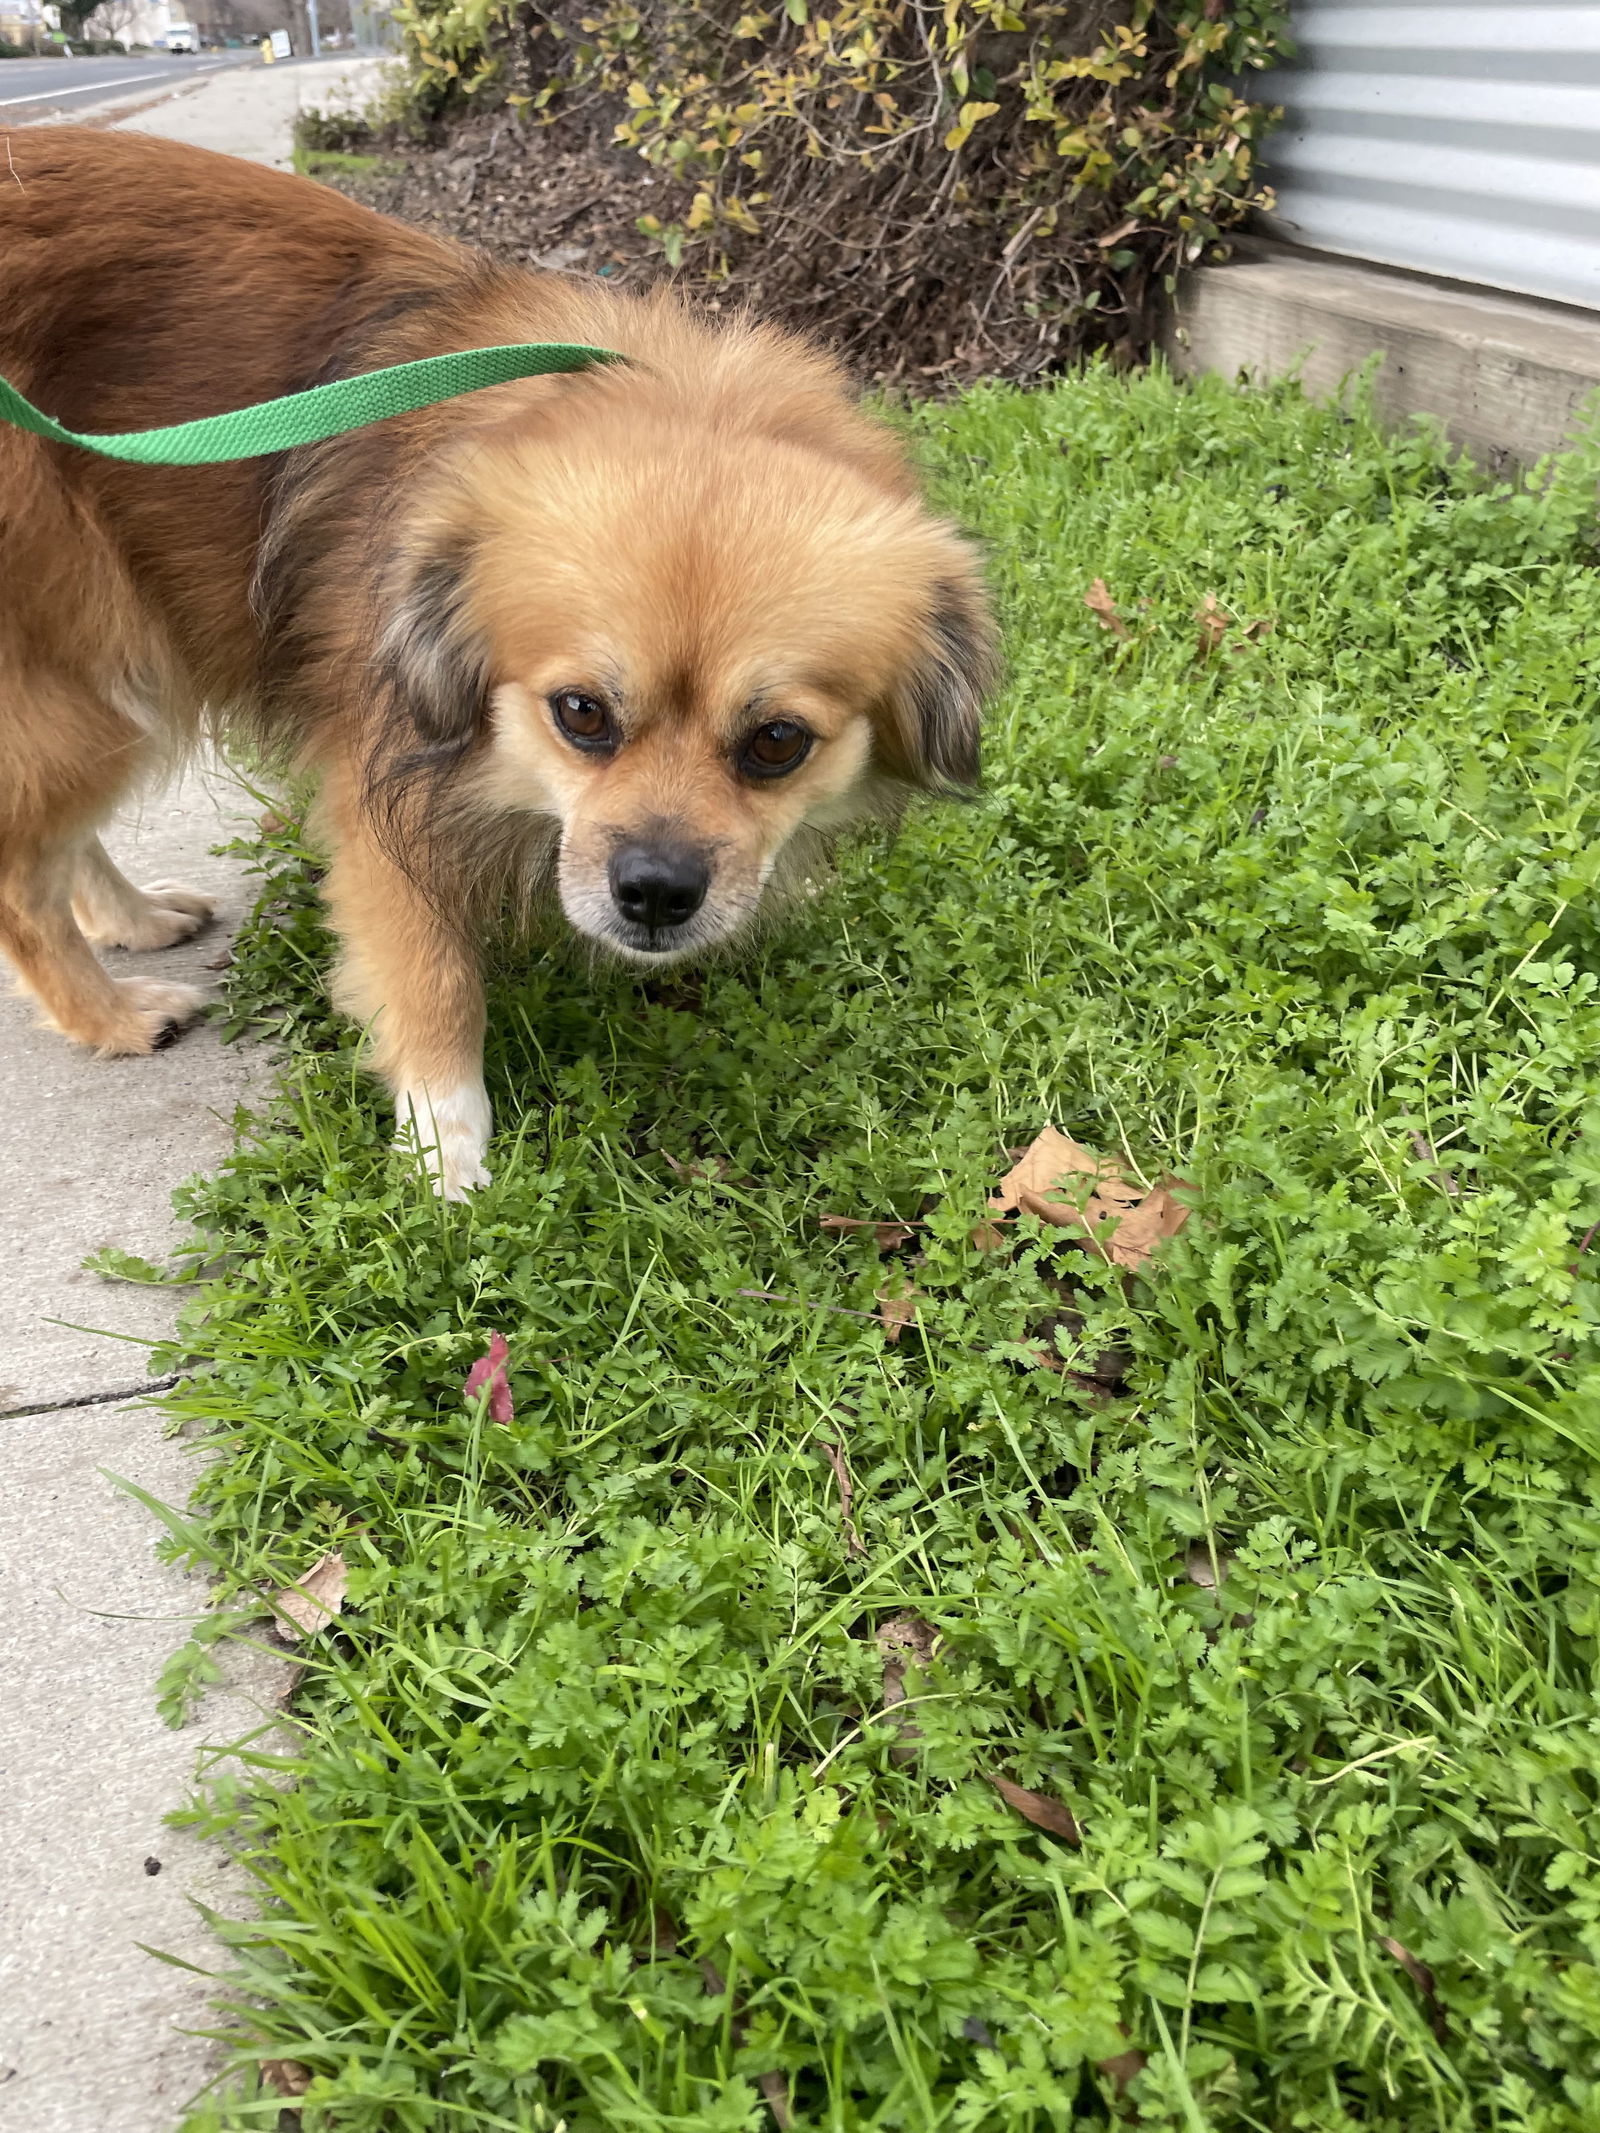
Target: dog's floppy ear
941,710
432,656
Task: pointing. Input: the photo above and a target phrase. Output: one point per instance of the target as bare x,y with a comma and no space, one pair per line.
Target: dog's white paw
447,1130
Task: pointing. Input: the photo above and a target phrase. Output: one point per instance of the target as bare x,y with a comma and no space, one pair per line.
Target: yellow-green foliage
1025,161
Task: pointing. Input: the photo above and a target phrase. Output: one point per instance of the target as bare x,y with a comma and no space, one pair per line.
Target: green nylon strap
323,411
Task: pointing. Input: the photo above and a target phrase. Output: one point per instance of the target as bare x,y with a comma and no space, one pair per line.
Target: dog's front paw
448,1133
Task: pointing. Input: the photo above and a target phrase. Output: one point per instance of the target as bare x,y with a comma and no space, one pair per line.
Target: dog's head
687,653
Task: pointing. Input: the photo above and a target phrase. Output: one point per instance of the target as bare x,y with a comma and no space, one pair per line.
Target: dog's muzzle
657,889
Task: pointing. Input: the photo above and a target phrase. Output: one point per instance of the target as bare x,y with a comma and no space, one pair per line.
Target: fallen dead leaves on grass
287,2076
775,2088
1043,1813
889,1235
1124,2067
897,1309
313,1601
1207,1566
1422,1977
841,1474
904,1641
715,1168
1121,1222
1100,604
1214,621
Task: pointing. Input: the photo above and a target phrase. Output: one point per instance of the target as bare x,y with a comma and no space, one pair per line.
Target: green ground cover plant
596,1815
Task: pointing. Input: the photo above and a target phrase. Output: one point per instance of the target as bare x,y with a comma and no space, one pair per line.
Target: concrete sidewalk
91,2030
251,112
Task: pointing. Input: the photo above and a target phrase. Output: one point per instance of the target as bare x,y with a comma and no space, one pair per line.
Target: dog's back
143,283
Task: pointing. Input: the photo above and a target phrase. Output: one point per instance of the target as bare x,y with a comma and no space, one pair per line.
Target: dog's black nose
658,886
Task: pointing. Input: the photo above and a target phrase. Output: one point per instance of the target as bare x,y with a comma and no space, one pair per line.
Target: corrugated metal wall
1460,139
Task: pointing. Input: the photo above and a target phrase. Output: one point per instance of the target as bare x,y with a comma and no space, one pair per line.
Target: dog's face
689,659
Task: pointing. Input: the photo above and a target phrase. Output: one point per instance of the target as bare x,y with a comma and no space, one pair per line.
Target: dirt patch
535,196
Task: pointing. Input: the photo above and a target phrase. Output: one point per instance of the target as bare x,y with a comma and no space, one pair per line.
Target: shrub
954,188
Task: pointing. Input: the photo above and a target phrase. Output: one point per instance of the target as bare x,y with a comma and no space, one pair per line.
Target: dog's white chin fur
447,1130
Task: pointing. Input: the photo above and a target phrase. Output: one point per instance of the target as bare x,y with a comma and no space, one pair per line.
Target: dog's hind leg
56,964
114,914
64,760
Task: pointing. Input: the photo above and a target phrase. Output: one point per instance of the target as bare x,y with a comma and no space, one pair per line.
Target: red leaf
489,1371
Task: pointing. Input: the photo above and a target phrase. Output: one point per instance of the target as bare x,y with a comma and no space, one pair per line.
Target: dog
645,637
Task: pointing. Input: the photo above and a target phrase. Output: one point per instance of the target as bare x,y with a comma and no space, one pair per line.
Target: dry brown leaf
287,2076
897,1309
1421,1976
1214,621
1110,1366
1051,1165
1045,1163
989,1237
1114,237
1122,2069
714,1167
1444,1179
1100,604
905,1641
663,1933
891,1235
1207,1567
1116,1225
290,1685
1042,1813
841,1474
313,1601
775,2088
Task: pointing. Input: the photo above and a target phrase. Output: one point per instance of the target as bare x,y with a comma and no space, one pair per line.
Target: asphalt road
39,88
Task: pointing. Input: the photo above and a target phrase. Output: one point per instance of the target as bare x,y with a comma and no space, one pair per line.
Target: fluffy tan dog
644,634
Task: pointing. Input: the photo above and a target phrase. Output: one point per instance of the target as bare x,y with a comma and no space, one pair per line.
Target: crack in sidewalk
91,1399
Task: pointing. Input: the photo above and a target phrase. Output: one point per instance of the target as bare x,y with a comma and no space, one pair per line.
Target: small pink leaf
489,1371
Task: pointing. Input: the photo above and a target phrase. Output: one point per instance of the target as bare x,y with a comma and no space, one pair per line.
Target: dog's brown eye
584,720
772,749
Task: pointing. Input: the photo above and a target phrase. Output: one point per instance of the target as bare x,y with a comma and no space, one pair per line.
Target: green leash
323,411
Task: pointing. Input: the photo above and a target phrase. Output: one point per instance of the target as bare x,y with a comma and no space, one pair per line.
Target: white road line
118,81
46,96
